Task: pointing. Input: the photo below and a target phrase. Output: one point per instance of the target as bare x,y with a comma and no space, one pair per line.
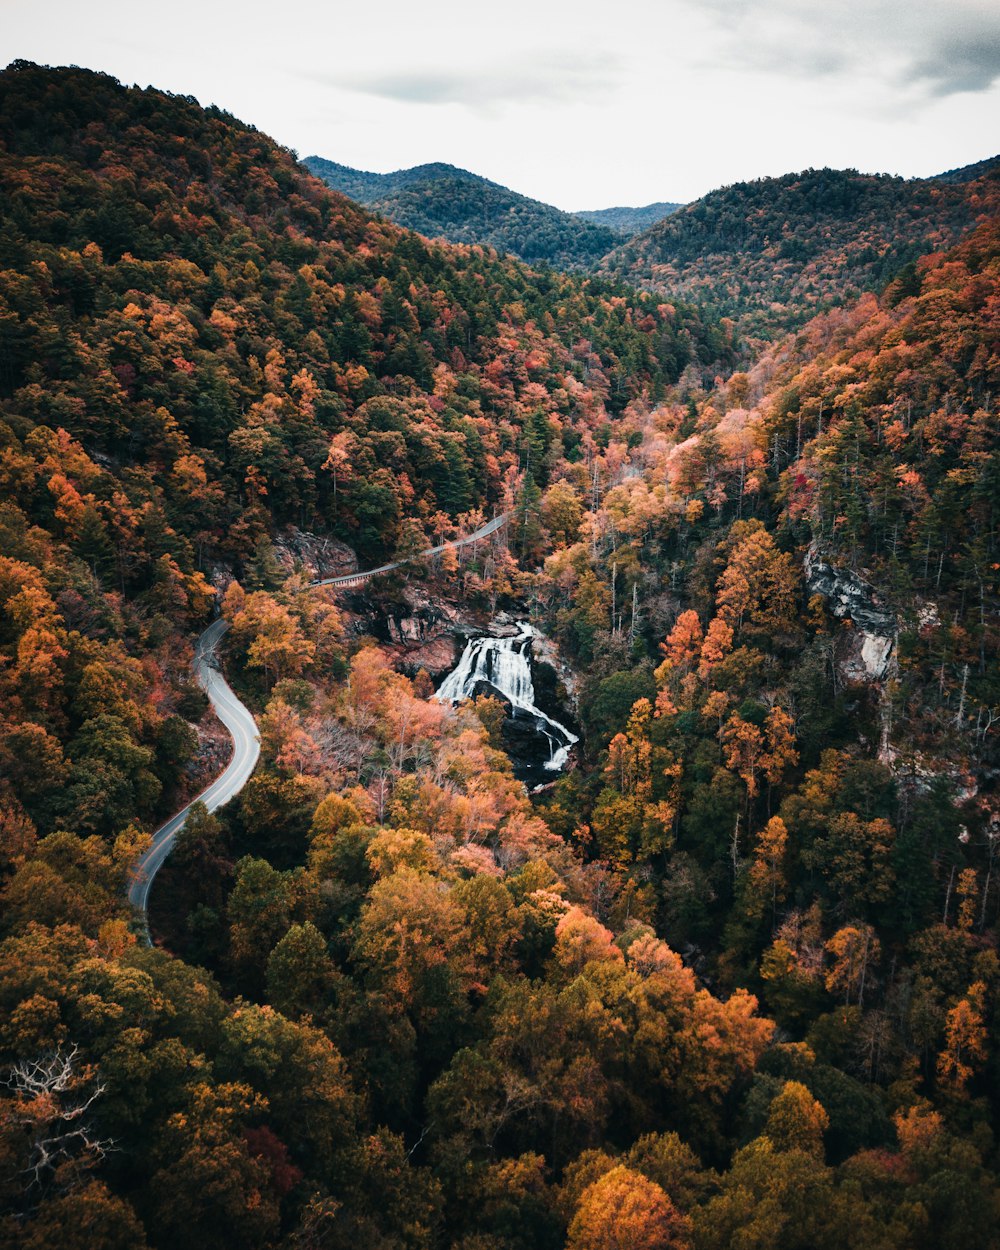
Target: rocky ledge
866,653
416,629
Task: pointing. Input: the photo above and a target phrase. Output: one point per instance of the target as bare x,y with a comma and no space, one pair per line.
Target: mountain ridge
631,220
969,173
767,252
442,200
772,252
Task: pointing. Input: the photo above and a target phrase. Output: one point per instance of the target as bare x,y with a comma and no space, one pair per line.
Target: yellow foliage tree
624,1210
964,1050
796,1121
766,878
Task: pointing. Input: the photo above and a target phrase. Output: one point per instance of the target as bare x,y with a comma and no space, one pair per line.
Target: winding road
242,728
246,749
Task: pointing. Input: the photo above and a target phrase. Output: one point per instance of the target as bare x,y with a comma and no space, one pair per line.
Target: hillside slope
441,201
970,173
629,221
796,774
772,253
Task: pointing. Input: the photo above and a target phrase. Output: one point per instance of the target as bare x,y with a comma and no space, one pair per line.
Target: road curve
246,748
242,729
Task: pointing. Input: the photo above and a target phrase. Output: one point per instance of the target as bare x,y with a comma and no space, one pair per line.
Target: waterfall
503,663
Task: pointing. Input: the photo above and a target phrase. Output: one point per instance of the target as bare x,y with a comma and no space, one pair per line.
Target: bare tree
51,1098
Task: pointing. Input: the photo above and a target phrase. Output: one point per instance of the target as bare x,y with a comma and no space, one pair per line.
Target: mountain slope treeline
775,252
444,202
284,311
627,220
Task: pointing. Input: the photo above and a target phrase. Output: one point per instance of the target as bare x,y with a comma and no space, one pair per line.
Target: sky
579,104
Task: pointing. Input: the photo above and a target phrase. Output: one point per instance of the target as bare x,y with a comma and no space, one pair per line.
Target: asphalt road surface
246,748
356,579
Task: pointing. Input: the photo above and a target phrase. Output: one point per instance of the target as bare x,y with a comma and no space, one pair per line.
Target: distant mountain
772,253
366,187
442,201
629,221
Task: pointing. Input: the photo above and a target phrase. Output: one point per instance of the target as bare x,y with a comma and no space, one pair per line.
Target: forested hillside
629,221
970,173
730,981
797,787
443,202
820,535
772,253
199,344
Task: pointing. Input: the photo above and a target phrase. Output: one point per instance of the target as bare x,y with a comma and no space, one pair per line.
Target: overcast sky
581,104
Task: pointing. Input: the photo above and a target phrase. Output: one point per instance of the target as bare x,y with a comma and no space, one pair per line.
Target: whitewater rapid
504,664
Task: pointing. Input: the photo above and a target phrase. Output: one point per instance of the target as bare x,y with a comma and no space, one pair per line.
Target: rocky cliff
865,652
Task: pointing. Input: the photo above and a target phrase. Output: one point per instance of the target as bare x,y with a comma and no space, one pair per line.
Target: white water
503,662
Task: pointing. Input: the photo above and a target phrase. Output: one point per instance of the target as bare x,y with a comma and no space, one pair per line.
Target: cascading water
503,664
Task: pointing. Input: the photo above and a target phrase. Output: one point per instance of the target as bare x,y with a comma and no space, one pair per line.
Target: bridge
348,580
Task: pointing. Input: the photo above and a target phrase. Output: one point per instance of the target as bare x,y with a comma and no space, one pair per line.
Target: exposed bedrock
865,653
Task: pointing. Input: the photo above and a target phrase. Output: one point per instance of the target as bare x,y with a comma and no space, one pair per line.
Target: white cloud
556,77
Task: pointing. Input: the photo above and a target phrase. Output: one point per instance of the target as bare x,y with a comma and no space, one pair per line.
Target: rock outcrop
320,556
416,629
866,653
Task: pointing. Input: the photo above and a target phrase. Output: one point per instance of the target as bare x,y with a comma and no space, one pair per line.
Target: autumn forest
722,974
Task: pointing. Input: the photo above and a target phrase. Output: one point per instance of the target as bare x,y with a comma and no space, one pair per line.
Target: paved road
242,729
246,748
356,579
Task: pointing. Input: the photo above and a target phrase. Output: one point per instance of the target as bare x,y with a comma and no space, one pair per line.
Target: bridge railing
357,579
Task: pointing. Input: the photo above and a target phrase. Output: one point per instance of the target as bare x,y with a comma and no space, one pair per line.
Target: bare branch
51,1095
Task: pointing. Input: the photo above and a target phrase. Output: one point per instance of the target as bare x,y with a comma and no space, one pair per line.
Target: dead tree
50,1098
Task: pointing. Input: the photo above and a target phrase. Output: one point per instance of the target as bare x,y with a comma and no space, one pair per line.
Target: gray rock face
849,596
868,653
318,555
420,631
417,618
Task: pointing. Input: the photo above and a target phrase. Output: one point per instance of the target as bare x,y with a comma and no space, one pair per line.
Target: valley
499,733
440,201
